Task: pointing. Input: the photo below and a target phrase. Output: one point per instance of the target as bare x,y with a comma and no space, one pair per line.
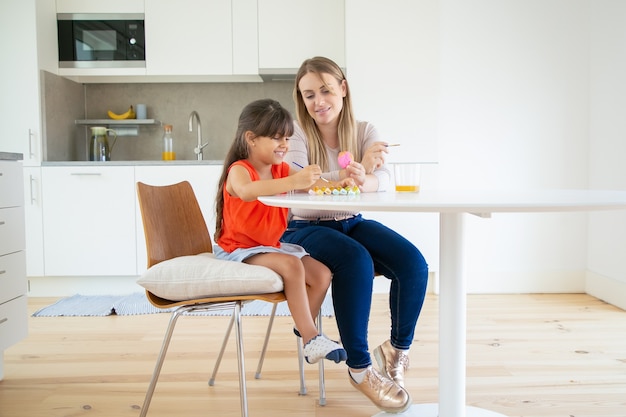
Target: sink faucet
198,149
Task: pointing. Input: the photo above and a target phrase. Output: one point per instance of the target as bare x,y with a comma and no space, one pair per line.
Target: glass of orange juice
407,176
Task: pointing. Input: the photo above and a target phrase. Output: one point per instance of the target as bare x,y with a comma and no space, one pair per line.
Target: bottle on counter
168,144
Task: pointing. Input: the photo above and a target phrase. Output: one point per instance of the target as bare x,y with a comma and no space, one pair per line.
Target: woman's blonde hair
347,124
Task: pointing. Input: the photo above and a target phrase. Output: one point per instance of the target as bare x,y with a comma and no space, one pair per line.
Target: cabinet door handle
2,222
31,134
32,191
4,271
2,320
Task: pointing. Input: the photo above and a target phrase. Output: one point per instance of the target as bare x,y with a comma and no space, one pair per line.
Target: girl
249,231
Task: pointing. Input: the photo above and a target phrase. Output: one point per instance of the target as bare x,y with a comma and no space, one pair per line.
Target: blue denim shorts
241,254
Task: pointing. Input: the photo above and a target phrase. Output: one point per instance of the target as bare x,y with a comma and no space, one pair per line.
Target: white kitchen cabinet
89,220
188,37
33,212
20,86
245,34
13,310
109,6
203,179
20,107
291,31
19,83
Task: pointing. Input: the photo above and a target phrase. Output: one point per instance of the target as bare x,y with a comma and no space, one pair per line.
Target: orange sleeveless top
248,224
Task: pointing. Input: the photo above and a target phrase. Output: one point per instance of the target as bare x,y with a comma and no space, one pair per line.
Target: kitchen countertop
11,156
132,163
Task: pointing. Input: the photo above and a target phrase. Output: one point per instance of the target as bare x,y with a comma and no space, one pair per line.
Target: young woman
249,231
360,248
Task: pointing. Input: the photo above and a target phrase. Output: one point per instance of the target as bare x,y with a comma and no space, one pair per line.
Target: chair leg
257,375
159,364
223,348
322,382
242,369
301,366
236,319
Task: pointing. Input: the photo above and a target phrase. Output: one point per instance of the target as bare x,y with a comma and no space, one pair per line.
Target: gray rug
137,303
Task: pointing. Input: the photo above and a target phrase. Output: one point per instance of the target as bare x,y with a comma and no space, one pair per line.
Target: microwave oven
93,40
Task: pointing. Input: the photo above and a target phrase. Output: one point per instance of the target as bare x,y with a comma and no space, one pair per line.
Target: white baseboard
606,289
68,286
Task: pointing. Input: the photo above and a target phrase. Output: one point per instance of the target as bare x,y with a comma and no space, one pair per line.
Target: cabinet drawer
11,188
11,230
13,322
12,276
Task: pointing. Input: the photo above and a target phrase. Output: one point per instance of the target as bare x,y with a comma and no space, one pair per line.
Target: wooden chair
174,227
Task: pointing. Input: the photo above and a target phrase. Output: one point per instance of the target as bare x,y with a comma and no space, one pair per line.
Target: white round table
452,206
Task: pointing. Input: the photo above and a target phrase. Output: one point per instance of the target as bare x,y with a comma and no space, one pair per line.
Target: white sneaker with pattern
321,347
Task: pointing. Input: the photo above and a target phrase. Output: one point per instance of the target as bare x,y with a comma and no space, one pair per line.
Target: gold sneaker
383,392
392,362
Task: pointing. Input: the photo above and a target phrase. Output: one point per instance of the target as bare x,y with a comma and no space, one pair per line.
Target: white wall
393,68
514,113
607,231
498,93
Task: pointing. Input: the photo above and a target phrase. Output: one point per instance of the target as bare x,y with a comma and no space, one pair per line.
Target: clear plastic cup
407,176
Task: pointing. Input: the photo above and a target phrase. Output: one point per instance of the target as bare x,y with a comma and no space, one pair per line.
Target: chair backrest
173,223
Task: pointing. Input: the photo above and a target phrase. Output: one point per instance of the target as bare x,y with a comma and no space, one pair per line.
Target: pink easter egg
344,158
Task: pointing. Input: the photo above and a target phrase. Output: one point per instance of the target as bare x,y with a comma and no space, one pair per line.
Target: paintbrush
301,167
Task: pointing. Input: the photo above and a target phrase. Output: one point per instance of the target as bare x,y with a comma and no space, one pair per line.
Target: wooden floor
528,355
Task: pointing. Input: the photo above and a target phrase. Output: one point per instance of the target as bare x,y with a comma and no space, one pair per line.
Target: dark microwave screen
94,41
110,40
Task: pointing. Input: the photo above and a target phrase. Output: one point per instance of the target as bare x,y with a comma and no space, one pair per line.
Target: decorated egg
344,158
335,190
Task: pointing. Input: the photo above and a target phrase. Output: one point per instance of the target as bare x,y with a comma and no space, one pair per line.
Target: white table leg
452,316
452,328
453,320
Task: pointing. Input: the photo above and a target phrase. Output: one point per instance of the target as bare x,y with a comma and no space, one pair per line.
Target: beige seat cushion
200,276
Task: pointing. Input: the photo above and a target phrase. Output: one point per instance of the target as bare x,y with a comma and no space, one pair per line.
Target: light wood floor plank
555,355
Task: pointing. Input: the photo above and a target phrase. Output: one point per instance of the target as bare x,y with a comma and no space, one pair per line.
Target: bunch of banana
130,114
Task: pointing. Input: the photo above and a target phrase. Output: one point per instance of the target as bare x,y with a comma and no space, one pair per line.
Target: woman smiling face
323,97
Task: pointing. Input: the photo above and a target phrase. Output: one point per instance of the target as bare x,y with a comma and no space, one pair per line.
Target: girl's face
323,104
267,150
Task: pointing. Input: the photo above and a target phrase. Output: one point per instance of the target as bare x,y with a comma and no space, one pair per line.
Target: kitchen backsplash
218,105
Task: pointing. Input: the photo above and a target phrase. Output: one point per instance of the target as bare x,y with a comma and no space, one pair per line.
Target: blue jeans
353,250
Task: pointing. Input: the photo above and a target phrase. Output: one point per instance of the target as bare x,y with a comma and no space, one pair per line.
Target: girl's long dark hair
264,117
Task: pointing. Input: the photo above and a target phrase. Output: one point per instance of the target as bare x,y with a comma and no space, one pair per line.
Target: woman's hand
374,157
356,172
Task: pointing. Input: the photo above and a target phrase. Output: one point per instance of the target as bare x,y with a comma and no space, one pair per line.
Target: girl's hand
306,177
346,182
374,157
343,183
